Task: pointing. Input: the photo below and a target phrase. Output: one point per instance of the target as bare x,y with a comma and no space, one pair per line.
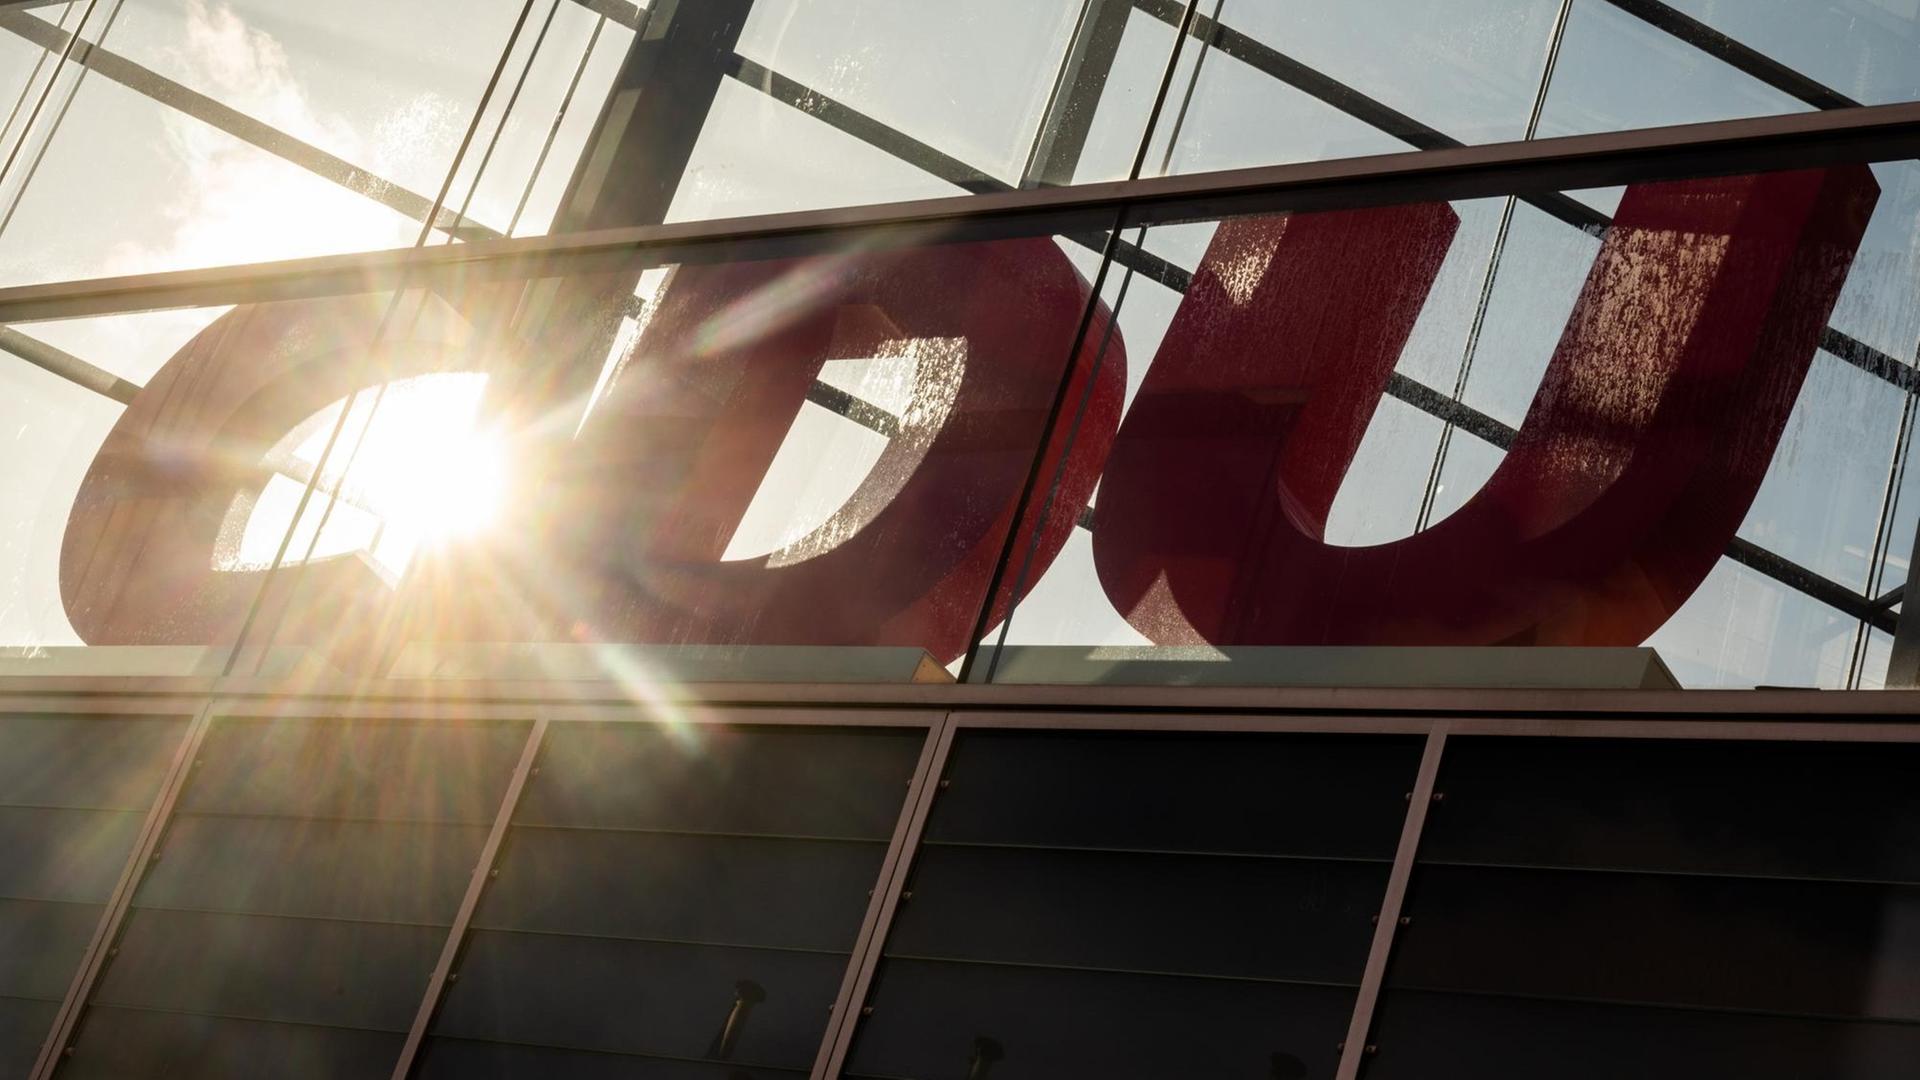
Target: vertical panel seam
483,869
886,901
93,961
1354,1051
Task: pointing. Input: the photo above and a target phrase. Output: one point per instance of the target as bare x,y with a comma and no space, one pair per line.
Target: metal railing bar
1722,147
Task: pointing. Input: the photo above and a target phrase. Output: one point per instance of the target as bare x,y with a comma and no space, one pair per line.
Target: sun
413,468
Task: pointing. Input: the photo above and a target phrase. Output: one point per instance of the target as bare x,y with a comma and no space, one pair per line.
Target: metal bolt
535,771
453,976
1340,1047
1372,1049
866,1010
945,784
1375,920
68,1052
1406,920
1408,797
1439,796
906,896
115,951
493,873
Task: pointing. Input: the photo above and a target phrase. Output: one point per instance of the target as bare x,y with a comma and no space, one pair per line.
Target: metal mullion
33,77
1387,926
99,948
1056,408
46,93
865,959
483,870
1424,517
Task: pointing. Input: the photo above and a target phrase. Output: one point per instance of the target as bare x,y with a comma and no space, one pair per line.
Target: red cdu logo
1645,443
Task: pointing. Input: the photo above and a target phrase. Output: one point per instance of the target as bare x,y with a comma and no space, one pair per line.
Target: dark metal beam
846,119
1067,119
1734,54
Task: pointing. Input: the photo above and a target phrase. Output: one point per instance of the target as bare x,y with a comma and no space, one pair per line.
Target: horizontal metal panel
1846,811
464,1059
23,1028
931,1018
41,944
122,1043
1802,947
368,769
85,761
1429,1036
64,854
1269,918
314,971
783,781
639,998
804,894
382,871
1271,794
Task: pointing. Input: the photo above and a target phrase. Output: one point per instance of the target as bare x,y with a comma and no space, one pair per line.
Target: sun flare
413,468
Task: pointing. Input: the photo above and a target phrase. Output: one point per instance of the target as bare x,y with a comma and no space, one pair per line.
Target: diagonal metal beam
116,68
66,365
1746,59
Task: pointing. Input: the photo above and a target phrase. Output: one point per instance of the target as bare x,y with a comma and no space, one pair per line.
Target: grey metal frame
944,712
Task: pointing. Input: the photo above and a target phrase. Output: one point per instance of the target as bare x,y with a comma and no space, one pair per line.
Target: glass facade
1671,409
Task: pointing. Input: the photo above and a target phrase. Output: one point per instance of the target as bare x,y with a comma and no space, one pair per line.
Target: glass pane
1267,83
1018,941
122,1042
676,895
1260,494
1617,71
74,792
1863,49
197,133
761,455
307,880
1666,905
